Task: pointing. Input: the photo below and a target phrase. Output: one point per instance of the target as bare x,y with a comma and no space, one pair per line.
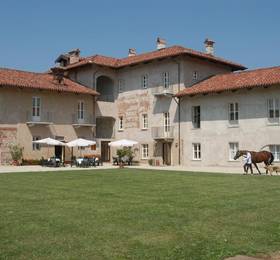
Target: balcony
87,121
163,92
163,133
45,119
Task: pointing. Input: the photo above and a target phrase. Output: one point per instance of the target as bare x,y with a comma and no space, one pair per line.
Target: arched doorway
105,86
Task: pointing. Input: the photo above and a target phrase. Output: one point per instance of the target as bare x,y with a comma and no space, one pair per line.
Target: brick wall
8,135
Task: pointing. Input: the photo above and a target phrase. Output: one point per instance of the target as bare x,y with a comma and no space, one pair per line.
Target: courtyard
137,214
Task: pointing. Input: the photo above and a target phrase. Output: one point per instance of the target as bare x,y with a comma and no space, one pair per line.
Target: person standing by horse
247,162
256,157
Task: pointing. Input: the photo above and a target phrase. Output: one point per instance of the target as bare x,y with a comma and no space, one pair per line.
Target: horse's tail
271,159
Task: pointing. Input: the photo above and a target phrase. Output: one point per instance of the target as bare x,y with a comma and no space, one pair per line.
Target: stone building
182,106
137,95
39,105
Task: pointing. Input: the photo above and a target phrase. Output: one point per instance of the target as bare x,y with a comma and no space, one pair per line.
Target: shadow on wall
162,105
105,87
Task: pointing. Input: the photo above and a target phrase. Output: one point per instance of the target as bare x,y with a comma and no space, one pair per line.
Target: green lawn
137,214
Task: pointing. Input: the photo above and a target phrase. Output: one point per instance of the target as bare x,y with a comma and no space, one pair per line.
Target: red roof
234,81
158,54
44,81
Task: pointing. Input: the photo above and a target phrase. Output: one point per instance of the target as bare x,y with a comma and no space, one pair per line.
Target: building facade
34,106
184,107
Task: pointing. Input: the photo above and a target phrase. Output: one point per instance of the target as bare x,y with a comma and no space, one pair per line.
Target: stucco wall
15,112
252,133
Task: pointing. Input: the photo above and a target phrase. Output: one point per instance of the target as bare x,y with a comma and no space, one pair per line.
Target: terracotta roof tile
234,81
44,81
163,53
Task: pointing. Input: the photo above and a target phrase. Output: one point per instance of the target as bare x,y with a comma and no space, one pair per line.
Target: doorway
58,151
166,153
105,151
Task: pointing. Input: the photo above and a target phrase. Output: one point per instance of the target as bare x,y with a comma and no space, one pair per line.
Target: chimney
161,43
58,74
209,46
74,56
131,52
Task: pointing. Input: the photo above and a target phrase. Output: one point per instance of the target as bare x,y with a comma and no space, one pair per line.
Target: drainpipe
179,111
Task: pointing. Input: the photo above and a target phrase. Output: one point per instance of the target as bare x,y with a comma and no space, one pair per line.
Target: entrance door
58,152
166,153
105,151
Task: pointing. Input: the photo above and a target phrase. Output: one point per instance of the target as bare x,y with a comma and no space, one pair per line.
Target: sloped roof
43,81
234,81
158,54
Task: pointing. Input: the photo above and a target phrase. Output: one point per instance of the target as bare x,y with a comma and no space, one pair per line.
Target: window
233,112
36,147
273,108
145,81
166,122
144,121
36,106
145,151
196,116
120,123
165,79
121,85
195,75
196,151
275,149
233,148
81,110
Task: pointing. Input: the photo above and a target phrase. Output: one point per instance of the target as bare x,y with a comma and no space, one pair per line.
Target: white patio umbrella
80,142
123,143
48,141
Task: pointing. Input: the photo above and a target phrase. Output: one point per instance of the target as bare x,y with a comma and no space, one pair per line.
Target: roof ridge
25,71
257,69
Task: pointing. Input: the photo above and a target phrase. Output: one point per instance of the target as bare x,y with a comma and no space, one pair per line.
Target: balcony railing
163,132
45,118
162,91
87,120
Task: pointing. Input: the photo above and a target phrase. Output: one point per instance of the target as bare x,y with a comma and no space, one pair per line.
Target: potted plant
16,153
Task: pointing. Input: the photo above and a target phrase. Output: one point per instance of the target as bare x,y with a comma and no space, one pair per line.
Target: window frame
36,147
145,121
196,117
273,106
276,152
145,151
165,79
196,151
233,113
120,123
195,75
81,110
121,84
233,151
144,81
36,109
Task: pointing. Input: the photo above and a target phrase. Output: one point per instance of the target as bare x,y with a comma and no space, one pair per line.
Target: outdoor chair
116,160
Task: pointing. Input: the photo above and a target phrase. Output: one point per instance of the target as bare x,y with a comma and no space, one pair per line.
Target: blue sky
35,32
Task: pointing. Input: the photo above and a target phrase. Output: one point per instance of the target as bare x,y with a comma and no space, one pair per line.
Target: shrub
16,152
124,152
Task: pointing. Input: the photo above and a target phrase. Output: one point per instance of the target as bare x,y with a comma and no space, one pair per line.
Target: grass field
137,214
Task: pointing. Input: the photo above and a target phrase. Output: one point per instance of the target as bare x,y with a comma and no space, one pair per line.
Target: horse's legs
251,168
257,168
